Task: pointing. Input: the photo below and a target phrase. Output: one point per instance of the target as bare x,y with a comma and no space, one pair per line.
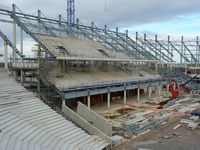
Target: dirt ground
166,138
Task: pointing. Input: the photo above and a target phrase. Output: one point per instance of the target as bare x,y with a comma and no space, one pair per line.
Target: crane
71,12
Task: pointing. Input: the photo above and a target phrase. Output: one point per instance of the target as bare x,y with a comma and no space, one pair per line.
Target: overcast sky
131,14
163,17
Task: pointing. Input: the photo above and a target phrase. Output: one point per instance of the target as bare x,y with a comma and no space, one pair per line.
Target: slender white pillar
14,38
108,101
167,88
125,97
63,104
21,41
88,101
150,92
138,94
22,76
5,55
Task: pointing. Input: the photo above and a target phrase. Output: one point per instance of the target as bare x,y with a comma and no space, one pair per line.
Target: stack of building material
136,129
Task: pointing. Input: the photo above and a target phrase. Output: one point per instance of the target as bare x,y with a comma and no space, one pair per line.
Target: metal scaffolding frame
143,48
167,50
113,40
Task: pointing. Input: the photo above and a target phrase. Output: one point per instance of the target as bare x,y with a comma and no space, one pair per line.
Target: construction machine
176,92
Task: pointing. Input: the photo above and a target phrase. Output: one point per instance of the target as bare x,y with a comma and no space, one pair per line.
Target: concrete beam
74,94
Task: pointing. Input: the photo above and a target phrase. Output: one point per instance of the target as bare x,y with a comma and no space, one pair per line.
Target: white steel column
88,101
22,76
150,92
5,55
108,101
124,96
21,41
14,31
138,94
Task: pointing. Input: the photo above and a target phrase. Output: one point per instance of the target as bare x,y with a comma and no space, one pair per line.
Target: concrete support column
88,101
125,97
22,76
63,104
108,100
38,86
5,55
138,94
150,92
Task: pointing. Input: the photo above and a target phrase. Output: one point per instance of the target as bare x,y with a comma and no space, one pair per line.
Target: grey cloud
122,13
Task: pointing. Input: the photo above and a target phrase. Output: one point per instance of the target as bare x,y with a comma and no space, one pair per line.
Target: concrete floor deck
76,78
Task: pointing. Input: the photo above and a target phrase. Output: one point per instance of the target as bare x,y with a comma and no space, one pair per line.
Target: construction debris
192,126
194,118
137,129
177,126
186,121
117,140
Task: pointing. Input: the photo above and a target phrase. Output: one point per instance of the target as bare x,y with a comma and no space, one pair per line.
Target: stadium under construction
91,88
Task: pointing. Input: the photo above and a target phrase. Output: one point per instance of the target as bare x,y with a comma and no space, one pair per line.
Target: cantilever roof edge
106,59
